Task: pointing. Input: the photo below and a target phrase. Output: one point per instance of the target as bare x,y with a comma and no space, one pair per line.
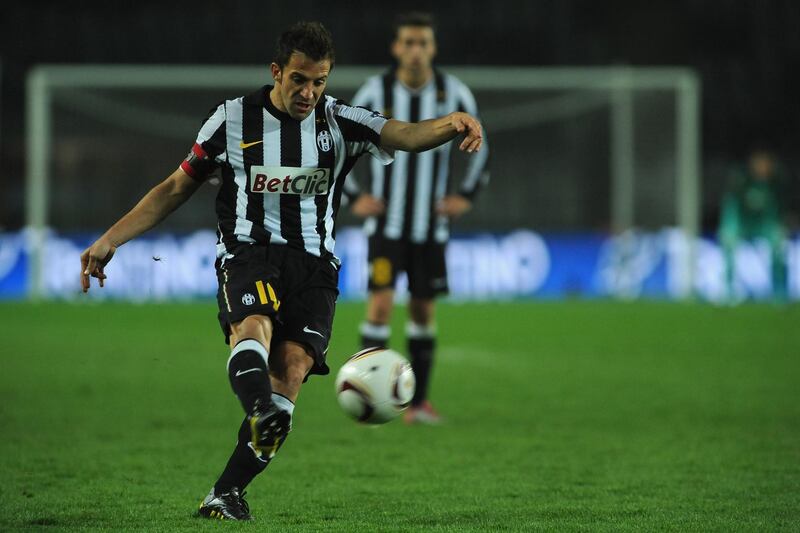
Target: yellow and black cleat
228,506
268,428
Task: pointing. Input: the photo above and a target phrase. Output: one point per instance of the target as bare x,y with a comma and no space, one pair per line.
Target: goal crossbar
618,82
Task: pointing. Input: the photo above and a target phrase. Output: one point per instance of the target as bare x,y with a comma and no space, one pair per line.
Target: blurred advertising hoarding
518,264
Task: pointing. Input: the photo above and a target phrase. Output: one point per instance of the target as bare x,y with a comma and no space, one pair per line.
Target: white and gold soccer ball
375,385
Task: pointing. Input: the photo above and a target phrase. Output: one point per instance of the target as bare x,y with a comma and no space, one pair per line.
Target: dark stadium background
746,52
585,382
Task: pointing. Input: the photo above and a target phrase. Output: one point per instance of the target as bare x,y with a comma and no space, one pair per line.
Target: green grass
570,416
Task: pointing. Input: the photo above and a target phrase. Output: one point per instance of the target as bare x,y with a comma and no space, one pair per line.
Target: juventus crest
324,140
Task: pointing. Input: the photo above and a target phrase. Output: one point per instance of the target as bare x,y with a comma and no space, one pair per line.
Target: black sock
249,374
421,344
375,335
244,463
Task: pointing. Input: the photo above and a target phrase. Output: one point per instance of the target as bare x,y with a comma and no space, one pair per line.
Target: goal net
607,150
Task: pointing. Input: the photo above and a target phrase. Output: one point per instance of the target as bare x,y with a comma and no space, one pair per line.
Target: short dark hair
311,38
414,18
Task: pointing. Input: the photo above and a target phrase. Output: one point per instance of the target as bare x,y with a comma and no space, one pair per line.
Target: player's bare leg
269,417
267,420
375,330
248,365
291,363
421,336
421,310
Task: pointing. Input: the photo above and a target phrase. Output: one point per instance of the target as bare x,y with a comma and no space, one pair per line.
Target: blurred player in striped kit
408,204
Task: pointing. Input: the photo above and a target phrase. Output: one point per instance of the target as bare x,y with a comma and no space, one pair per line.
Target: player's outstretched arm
421,136
162,199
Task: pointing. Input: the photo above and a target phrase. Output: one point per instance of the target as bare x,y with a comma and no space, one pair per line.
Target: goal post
565,92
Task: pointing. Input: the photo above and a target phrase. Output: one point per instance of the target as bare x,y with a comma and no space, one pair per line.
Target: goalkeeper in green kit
753,208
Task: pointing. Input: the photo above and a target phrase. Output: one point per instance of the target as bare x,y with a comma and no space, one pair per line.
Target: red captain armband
197,164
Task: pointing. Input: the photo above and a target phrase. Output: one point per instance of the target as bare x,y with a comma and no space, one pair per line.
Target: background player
408,205
753,208
283,153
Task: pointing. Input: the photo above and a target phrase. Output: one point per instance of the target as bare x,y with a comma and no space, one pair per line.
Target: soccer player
283,152
408,204
752,208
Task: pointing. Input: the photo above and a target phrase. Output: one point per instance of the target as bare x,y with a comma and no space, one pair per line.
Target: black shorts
295,289
424,263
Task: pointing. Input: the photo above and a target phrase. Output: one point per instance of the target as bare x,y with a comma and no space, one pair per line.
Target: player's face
414,47
300,84
762,165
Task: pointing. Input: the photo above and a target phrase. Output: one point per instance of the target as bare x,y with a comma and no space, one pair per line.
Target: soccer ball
375,385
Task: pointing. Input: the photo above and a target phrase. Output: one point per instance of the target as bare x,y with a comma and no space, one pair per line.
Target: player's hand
367,205
472,130
453,206
93,262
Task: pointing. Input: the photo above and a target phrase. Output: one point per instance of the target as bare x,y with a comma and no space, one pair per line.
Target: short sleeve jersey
413,185
282,178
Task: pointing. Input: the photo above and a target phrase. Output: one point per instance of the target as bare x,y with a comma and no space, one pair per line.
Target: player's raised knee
294,362
257,327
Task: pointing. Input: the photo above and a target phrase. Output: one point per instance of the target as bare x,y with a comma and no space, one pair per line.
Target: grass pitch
570,416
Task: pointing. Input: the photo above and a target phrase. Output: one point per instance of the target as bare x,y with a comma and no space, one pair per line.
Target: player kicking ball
283,153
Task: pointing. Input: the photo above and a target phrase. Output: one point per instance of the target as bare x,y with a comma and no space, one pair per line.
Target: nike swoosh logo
314,332
241,372
244,145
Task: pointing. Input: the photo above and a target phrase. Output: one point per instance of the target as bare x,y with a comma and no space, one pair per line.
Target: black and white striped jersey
413,184
282,178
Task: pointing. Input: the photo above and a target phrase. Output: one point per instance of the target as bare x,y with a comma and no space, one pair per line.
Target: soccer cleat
422,414
269,426
228,506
